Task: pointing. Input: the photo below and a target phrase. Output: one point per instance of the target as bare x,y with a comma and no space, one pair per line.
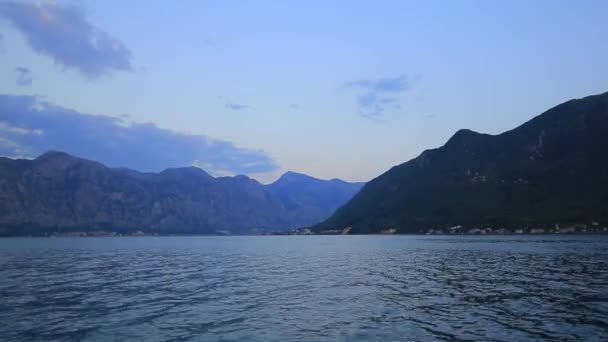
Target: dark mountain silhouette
57,192
552,169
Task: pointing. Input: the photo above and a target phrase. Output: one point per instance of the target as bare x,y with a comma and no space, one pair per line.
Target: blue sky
342,89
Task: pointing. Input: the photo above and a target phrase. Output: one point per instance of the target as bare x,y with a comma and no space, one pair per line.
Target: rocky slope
58,193
552,169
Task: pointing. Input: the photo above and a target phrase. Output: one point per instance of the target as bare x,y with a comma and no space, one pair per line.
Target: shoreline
70,236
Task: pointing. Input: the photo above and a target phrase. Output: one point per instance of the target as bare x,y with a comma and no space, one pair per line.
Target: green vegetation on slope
553,169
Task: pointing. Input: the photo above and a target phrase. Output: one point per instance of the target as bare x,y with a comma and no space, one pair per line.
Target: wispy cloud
63,33
29,127
208,41
236,106
294,106
231,104
382,85
24,76
377,96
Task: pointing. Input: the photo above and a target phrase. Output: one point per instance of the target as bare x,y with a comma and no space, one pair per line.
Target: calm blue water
302,288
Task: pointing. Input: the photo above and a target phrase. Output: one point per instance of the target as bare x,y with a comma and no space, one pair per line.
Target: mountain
310,200
552,169
57,192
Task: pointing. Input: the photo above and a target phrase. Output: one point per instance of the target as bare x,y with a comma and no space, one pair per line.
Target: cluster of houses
568,229
593,228
96,233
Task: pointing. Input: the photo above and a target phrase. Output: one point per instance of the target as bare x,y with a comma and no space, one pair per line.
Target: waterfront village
593,228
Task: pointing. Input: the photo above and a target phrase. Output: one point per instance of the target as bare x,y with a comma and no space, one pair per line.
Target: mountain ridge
521,177
57,192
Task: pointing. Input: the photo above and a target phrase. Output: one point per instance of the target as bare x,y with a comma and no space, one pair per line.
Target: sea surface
305,288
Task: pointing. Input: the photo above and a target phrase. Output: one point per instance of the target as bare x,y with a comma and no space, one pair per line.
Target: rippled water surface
304,288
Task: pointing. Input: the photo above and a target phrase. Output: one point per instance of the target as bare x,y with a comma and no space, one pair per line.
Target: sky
333,89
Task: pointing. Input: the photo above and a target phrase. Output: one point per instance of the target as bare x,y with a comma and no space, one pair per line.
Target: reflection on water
305,288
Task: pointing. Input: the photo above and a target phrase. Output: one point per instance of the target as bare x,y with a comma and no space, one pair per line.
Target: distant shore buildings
593,228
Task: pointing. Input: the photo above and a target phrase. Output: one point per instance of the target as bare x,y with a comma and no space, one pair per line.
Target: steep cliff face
552,169
58,192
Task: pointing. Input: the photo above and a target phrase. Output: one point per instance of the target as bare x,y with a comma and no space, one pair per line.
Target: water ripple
304,288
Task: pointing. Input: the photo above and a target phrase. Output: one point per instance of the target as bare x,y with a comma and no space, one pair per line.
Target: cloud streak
377,96
63,33
236,106
29,127
24,76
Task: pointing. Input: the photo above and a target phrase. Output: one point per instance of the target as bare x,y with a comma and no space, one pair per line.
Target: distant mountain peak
188,171
464,136
52,159
245,178
55,155
291,175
